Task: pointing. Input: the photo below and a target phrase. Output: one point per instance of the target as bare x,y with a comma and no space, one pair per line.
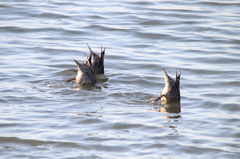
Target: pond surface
42,116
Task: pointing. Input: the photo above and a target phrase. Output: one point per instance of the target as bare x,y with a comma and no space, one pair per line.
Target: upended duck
86,71
171,91
95,62
85,75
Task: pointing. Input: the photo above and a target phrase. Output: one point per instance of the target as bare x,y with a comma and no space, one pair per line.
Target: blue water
42,116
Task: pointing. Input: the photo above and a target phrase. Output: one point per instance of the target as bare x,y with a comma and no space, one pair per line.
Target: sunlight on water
43,116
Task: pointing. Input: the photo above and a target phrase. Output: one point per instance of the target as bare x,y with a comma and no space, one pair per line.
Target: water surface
42,116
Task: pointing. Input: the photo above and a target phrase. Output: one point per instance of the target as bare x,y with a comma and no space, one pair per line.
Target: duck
171,90
95,61
85,75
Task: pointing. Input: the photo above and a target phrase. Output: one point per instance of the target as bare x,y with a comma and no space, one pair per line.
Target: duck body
85,75
86,72
171,90
96,62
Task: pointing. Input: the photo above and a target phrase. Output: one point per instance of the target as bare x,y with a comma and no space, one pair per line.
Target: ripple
114,119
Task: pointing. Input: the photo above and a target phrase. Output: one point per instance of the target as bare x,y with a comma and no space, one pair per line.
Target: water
42,116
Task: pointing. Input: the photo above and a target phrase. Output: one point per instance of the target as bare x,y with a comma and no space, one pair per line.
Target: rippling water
42,116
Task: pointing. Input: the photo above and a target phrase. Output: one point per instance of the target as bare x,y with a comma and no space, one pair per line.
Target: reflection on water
172,116
172,110
171,107
85,86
